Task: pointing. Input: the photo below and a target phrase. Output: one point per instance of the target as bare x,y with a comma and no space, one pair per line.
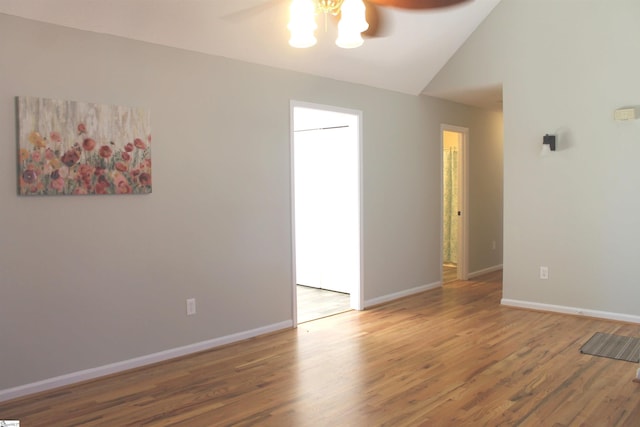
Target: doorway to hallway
326,210
454,212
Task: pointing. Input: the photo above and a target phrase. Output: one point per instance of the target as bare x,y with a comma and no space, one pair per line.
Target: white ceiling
416,46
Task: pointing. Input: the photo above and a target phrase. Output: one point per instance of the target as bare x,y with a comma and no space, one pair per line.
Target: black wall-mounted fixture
550,140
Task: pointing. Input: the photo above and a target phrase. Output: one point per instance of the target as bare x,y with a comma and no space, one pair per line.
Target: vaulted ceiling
413,47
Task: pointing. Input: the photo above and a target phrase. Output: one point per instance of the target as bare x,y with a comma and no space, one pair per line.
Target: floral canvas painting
68,147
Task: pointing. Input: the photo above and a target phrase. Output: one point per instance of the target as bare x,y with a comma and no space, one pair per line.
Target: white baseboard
484,271
401,294
124,365
577,311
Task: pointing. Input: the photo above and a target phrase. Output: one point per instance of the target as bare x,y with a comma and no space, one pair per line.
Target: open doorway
326,210
454,218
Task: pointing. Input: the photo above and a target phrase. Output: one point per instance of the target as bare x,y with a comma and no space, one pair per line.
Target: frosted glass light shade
302,23
352,22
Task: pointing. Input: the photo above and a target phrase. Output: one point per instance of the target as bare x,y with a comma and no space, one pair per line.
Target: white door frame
356,300
463,230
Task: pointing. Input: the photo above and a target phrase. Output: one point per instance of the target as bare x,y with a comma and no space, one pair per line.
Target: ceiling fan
356,18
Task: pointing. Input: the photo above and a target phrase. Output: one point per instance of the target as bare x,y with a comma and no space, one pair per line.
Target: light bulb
302,23
352,22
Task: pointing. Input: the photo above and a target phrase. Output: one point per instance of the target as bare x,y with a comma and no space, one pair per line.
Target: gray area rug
613,346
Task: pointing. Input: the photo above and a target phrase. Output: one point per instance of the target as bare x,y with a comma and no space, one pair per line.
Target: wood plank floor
446,357
449,273
314,303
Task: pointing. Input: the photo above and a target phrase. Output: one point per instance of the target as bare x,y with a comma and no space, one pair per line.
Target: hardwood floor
314,303
446,357
449,273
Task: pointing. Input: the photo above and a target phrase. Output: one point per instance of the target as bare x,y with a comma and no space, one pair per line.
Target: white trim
89,374
292,209
484,271
357,302
577,311
463,268
401,294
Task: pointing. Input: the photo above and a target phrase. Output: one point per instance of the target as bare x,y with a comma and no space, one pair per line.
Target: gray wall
566,66
89,281
485,191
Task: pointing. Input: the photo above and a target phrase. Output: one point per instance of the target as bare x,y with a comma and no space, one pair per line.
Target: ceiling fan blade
377,27
373,15
417,4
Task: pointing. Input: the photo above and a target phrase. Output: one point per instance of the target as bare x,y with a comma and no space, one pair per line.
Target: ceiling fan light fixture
352,23
302,23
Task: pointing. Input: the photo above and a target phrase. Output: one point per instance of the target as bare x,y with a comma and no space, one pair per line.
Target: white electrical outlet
191,306
544,272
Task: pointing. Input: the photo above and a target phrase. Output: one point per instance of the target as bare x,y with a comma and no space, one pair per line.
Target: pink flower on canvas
85,172
139,143
121,184
55,136
123,188
125,156
128,147
82,128
144,179
49,154
35,156
57,184
80,190
70,157
121,166
105,151
88,144
102,185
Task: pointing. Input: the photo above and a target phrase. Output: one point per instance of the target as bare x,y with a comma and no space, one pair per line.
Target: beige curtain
450,208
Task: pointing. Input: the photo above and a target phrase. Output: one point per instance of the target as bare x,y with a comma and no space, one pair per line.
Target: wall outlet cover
544,273
191,306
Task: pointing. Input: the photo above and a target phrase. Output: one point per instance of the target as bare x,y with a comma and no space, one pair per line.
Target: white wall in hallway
326,200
